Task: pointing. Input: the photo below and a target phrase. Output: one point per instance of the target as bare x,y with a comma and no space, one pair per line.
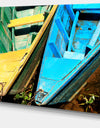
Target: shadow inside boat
89,16
27,30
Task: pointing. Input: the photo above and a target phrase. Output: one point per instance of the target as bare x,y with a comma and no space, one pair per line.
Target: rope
33,98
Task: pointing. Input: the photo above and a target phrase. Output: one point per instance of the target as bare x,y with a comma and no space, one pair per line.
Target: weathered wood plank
70,12
93,39
5,39
86,6
73,31
62,29
26,20
55,50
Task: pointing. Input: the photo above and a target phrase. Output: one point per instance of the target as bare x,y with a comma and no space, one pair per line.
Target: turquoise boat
72,53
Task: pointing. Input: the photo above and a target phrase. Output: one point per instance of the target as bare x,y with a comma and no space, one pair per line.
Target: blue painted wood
86,6
55,89
94,37
56,34
73,55
73,31
54,49
74,86
83,35
57,73
62,29
71,12
57,68
91,11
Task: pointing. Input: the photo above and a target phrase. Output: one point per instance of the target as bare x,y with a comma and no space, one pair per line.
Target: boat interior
73,39
20,26
74,33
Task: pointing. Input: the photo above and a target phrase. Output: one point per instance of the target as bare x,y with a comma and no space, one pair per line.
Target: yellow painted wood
26,20
15,55
9,67
5,76
15,61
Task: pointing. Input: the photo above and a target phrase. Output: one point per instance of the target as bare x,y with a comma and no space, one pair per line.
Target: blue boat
71,55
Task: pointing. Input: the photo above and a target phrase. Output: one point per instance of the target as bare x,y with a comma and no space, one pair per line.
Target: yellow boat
18,64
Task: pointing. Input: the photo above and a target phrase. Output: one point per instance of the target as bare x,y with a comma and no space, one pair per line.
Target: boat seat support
62,30
73,31
93,39
55,50
70,12
73,55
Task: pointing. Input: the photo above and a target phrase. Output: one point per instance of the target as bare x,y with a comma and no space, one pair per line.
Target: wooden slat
62,29
4,38
95,36
70,12
93,39
86,6
13,30
91,11
26,20
8,14
55,50
1,13
73,31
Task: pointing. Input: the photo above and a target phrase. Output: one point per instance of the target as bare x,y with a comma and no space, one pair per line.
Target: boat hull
68,93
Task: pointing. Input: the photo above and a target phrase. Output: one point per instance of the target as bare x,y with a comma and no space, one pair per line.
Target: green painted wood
4,38
13,29
26,40
8,14
4,24
2,48
31,28
13,34
5,35
1,14
22,41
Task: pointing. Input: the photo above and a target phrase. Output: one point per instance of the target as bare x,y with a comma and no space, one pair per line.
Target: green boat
24,32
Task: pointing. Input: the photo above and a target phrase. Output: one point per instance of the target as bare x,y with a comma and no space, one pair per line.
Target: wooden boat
23,36
71,55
